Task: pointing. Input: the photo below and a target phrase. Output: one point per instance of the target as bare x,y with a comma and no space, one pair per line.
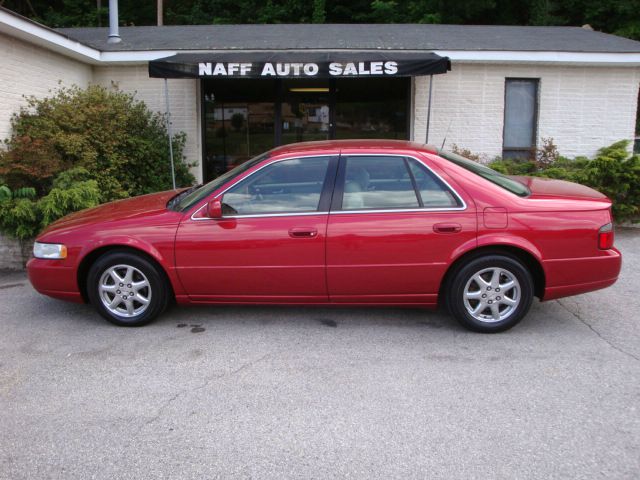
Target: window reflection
282,187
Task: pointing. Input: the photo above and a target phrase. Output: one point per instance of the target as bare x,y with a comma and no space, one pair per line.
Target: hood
144,205
549,187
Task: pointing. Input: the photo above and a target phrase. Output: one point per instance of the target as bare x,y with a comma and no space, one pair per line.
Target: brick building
508,87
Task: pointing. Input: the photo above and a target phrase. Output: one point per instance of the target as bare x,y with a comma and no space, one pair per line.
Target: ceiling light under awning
309,89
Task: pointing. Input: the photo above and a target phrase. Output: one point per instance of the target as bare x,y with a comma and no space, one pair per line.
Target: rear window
487,173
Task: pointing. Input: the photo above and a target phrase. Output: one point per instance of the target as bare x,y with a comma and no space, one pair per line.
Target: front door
270,244
393,228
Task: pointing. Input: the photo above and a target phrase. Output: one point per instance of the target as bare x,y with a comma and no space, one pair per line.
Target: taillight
605,237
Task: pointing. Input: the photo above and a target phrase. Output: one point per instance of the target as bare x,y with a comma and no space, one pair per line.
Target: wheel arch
529,260
90,258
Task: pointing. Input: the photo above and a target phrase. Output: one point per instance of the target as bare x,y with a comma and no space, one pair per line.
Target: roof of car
338,145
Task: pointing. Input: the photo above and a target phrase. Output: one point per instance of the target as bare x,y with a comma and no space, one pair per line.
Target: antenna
445,134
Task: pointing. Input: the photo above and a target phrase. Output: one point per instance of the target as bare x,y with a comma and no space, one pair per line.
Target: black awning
299,64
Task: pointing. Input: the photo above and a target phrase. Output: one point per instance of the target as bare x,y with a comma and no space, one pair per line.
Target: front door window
287,186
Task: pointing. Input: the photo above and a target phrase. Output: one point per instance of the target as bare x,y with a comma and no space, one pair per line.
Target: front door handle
303,232
447,227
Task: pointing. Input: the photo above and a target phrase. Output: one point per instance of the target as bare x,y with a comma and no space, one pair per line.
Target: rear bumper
52,278
573,276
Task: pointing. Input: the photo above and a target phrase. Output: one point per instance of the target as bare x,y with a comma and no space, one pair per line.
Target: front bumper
55,279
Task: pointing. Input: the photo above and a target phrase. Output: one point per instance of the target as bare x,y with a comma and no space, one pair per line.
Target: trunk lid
549,187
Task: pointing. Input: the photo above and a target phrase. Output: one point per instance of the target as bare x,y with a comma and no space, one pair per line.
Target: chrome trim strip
258,215
398,210
340,212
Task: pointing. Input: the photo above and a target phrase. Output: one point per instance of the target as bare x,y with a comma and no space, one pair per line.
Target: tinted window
433,192
377,182
282,187
487,173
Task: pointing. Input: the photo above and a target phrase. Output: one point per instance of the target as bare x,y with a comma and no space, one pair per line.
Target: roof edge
17,26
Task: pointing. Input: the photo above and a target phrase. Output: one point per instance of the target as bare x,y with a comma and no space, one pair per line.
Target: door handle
447,228
303,232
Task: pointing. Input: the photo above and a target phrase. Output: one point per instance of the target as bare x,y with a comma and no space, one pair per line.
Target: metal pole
160,13
166,96
429,108
114,32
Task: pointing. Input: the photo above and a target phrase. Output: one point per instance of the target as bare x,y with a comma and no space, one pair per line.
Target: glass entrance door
305,111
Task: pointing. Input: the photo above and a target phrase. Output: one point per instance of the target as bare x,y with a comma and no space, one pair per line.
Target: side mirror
214,208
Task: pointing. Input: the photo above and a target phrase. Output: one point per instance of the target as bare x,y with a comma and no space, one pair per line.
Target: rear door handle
447,227
303,232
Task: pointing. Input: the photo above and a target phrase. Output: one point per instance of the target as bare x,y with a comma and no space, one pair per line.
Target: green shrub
115,138
79,148
23,216
612,171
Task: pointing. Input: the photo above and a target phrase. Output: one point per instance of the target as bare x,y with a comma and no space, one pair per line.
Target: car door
393,229
270,243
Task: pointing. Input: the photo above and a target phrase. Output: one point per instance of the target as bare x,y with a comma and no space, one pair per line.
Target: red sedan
341,223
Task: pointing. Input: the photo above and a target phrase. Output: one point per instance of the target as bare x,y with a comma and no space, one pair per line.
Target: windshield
188,198
487,173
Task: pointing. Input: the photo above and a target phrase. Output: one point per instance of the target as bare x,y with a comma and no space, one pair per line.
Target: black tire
102,287
473,279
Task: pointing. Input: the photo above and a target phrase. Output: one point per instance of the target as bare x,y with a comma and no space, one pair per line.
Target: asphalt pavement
272,392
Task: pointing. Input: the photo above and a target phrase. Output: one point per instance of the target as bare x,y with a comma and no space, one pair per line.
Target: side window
288,186
433,192
377,182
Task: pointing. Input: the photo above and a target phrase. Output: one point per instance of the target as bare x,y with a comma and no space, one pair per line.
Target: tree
621,17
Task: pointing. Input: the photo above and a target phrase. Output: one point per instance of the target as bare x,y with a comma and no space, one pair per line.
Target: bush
613,172
79,148
22,215
118,140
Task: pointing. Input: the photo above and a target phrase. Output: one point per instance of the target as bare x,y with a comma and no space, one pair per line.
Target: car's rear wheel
491,293
127,289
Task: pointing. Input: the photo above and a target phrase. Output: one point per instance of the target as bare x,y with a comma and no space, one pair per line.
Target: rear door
393,229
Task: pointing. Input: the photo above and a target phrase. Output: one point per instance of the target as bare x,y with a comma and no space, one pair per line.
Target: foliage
547,154
79,148
22,215
117,140
621,17
613,171
466,153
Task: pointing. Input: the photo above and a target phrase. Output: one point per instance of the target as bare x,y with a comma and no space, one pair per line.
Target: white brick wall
582,108
31,70
183,98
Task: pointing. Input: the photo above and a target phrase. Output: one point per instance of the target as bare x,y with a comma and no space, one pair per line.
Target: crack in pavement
206,383
598,334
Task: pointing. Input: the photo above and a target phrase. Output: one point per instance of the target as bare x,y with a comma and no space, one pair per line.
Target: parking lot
266,392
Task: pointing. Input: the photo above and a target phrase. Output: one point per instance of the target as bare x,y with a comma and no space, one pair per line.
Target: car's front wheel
491,293
127,289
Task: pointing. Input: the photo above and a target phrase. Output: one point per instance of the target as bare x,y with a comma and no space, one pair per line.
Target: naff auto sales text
284,69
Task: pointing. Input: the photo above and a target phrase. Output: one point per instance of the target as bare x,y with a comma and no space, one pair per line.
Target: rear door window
392,182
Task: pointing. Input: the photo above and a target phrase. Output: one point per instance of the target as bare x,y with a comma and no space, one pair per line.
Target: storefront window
245,117
238,124
372,108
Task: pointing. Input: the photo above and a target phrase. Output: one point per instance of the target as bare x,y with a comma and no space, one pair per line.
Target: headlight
51,251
